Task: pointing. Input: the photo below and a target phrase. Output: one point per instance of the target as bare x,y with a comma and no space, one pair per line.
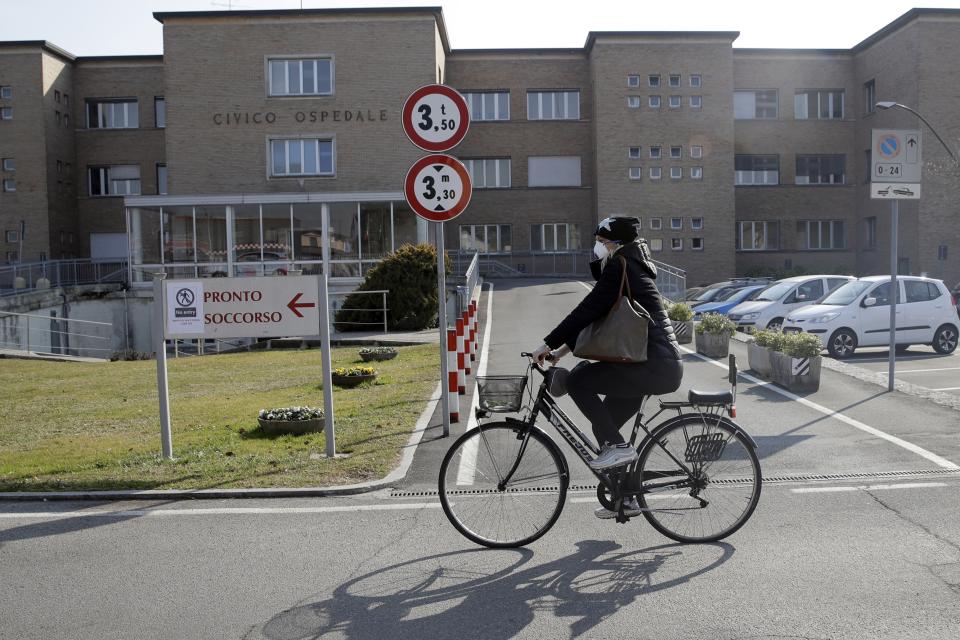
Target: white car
858,314
768,309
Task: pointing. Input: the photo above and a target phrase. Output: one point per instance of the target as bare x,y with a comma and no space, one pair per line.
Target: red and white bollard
467,355
453,397
461,371
474,328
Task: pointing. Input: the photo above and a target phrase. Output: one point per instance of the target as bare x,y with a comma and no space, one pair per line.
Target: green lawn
74,426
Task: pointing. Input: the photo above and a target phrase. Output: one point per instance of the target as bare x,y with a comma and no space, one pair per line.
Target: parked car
772,305
729,301
858,315
720,290
956,298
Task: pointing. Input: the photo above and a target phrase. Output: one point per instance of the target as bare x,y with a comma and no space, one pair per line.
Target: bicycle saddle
709,397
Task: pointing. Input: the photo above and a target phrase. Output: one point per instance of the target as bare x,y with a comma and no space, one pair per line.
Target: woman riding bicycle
623,385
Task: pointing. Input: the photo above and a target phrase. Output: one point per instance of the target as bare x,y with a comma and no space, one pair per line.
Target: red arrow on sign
294,306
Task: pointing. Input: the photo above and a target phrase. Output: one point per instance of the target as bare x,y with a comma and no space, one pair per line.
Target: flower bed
352,376
291,420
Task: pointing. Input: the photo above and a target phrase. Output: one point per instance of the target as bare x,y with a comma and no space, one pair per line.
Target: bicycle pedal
622,518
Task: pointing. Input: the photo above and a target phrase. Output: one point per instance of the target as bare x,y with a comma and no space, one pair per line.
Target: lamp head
885,105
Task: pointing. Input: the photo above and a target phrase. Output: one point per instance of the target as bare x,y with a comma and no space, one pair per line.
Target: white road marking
932,457
946,389
217,511
468,460
928,370
871,487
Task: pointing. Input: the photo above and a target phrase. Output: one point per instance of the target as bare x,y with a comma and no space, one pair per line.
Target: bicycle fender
730,423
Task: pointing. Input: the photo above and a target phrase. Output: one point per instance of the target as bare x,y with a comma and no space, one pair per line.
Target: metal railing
61,336
18,278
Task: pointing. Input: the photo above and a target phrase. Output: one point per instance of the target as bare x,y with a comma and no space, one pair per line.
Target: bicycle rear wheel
491,511
700,479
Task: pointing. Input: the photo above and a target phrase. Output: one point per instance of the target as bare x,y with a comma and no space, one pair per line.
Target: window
756,170
9,164
656,224
675,102
676,153
559,236
809,291
6,113
160,112
755,105
633,102
821,234
113,114
633,81
920,291
696,173
120,180
696,102
486,238
674,79
633,152
871,228
696,151
653,80
676,173
56,96
66,99
301,157
11,236
696,224
489,173
656,245
553,105
819,104
656,173
676,223
9,185
636,173
6,92
870,96
820,169
696,244
66,120
59,167
758,235
58,118
161,179
676,244
696,80
486,106
553,171
882,294
654,102
655,152
300,77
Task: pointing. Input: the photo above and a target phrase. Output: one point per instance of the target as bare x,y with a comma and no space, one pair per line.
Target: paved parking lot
919,365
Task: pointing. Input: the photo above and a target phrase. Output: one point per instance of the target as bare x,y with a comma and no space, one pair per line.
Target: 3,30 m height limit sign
435,117
438,187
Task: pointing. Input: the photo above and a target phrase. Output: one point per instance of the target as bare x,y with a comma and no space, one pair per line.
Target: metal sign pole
323,304
163,390
442,328
894,293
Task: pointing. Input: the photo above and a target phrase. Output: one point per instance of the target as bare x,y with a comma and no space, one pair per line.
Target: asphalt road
857,536
918,365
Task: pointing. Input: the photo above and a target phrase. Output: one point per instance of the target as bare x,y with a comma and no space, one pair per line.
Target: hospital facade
261,141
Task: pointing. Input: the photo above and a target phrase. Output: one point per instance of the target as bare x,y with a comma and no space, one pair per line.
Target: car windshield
728,295
707,294
776,291
847,293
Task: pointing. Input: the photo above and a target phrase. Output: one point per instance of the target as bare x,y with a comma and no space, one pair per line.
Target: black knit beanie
618,228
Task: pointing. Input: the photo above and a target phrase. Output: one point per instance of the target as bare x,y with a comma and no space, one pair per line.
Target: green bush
769,339
410,275
802,345
715,323
680,312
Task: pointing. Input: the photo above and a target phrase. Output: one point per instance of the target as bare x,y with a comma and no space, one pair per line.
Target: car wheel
842,343
945,339
775,325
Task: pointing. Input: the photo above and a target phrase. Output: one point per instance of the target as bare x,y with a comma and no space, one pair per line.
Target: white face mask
600,250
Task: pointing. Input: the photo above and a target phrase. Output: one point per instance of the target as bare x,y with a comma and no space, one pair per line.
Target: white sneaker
613,456
630,508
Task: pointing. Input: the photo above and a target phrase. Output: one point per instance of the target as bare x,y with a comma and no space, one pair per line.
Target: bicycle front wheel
488,504
700,479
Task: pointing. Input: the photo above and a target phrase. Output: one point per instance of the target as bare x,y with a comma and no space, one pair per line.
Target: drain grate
767,480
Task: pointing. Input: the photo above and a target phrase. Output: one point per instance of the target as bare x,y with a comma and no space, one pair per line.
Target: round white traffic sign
438,187
435,117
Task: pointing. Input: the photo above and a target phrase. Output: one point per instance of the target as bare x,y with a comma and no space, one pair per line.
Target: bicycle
504,484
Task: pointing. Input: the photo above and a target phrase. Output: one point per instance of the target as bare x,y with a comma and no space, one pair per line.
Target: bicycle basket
501,393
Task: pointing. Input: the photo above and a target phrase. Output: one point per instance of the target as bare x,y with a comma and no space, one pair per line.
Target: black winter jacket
661,342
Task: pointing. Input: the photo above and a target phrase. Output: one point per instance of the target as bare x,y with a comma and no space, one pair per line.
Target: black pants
623,386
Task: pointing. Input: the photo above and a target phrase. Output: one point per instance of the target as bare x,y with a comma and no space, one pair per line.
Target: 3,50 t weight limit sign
435,117
438,187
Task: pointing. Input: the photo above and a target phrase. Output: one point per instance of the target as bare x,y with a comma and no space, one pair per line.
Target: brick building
257,133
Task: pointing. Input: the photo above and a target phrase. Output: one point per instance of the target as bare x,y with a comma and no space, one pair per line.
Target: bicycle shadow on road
488,594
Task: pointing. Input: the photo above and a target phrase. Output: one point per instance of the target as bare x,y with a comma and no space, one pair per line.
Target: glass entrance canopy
343,235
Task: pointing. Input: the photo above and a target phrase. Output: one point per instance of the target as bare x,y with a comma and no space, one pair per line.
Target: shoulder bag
621,335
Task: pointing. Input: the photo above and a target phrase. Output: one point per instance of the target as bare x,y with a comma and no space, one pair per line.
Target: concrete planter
296,427
796,374
684,331
351,381
713,345
758,359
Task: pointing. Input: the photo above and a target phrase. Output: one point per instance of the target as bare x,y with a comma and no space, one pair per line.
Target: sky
127,27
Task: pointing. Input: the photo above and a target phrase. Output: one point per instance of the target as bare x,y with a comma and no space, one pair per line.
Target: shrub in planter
759,349
713,335
352,376
291,420
797,366
681,315
368,354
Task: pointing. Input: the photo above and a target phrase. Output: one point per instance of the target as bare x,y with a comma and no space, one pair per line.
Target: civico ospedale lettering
243,118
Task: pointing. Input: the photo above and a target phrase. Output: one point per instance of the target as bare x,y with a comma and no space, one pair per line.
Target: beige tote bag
620,336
